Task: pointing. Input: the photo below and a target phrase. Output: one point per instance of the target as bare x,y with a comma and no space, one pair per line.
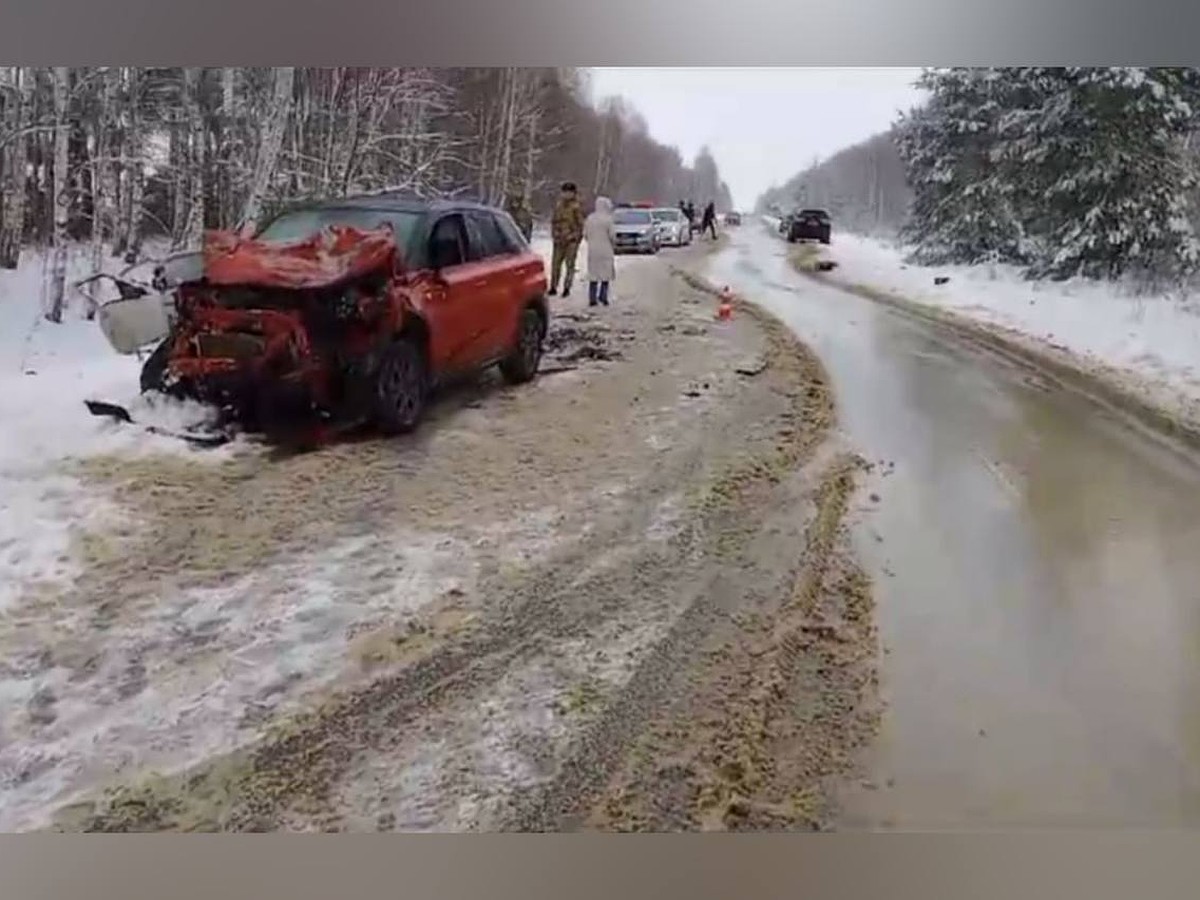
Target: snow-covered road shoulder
47,371
1147,346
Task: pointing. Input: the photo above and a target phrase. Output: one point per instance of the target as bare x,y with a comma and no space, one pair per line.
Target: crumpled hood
335,255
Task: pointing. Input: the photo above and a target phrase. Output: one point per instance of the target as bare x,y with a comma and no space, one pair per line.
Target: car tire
401,389
522,363
154,374
825,239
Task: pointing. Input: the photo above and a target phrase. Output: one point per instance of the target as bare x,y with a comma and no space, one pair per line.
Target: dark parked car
809,225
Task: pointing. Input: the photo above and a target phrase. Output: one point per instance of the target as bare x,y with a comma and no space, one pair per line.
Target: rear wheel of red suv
522,363
401,387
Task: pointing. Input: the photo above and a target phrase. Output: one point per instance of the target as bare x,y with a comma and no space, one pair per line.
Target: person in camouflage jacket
567,231
521,214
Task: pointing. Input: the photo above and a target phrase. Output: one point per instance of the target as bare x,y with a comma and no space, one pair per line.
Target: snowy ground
1151,344
475,613
47,370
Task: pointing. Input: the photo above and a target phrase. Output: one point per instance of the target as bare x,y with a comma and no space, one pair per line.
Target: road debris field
621,597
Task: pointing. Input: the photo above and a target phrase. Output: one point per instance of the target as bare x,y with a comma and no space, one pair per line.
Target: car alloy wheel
401,387
522,364
531,342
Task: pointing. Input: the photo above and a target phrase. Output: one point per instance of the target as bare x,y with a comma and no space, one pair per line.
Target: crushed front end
284,339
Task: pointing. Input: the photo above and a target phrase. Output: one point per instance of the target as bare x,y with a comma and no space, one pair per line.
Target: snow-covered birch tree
15,95
269,147
56,284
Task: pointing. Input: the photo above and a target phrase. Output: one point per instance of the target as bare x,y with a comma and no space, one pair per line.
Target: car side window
512,234
447,243
478,247
496,242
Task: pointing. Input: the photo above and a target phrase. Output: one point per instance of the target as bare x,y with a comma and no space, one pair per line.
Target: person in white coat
600,235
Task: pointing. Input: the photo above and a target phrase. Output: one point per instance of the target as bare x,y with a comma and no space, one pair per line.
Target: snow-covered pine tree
1099,155
963,206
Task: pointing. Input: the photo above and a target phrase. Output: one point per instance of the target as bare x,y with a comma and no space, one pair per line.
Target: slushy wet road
1037,577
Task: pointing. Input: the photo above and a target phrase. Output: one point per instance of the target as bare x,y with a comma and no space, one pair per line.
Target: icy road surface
1037,580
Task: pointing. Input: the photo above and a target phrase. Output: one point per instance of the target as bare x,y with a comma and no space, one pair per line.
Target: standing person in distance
566,229
600,234
690,212
520,212
709,222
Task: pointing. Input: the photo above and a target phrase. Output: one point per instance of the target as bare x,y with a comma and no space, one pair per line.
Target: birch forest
111,158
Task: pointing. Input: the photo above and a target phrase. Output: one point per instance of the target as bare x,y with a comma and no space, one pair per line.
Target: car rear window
819,213
631,217
666,215
298,224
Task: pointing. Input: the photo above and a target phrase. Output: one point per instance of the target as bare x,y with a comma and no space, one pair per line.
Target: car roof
394,202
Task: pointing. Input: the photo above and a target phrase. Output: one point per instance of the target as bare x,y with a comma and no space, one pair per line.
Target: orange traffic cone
725,306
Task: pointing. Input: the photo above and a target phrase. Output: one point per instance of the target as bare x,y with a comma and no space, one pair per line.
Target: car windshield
299,224
666,215
818,213
631,217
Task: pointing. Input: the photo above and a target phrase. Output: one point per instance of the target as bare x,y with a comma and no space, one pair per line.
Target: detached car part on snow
145,308
341,314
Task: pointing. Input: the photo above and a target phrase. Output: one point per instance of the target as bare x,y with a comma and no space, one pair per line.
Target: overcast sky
762,125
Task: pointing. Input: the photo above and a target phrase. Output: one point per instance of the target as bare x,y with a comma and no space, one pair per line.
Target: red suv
351,311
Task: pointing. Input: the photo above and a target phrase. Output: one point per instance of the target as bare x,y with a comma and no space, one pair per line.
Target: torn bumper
256,365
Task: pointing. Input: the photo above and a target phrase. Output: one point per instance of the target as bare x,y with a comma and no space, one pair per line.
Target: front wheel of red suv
401,388
522,363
